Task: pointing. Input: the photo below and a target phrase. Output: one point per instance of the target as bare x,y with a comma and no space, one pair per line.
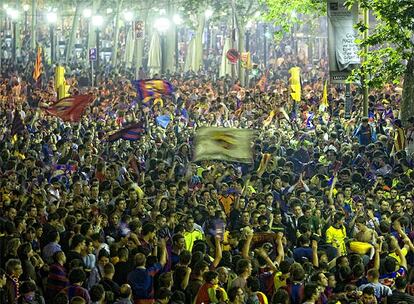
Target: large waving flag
38,65
152,88
70,108
131,132
225,144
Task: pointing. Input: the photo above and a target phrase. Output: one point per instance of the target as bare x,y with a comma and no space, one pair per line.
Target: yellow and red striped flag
38,64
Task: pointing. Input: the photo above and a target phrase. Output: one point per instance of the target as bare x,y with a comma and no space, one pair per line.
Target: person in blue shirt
365,133
141,278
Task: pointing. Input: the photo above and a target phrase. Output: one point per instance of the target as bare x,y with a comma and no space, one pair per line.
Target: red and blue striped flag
152,88
70,108
131,132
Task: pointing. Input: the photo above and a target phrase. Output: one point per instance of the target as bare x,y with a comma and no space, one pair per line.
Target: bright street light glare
177,19
97,20
13,14
51,17
162,24
87,13
208,13
128,16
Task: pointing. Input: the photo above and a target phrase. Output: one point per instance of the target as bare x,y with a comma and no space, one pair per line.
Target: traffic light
294,84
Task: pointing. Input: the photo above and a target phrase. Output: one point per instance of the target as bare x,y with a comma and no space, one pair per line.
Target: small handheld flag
163,120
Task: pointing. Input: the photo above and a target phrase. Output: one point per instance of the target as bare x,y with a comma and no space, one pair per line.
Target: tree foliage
286,14
390,42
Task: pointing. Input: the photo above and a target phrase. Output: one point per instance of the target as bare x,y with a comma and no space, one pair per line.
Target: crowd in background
322,214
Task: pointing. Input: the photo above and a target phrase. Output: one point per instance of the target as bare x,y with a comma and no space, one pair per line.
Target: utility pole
265,46
33,25
366,49
233,38
1,39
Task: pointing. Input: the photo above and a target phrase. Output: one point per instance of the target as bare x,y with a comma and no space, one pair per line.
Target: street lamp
265,45
128,16
208,13
87,13
294,44
97,22
26,8
162,25
177,21
248,28
51,18
14,15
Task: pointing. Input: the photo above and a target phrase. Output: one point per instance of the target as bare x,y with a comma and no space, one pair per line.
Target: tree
390,55
286,14
196,19
243,11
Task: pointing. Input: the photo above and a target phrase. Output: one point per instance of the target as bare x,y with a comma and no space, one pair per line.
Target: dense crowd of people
322,214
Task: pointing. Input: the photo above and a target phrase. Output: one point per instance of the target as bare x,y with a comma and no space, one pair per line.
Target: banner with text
342,48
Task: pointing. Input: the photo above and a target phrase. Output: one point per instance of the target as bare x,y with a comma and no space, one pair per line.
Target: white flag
225,144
